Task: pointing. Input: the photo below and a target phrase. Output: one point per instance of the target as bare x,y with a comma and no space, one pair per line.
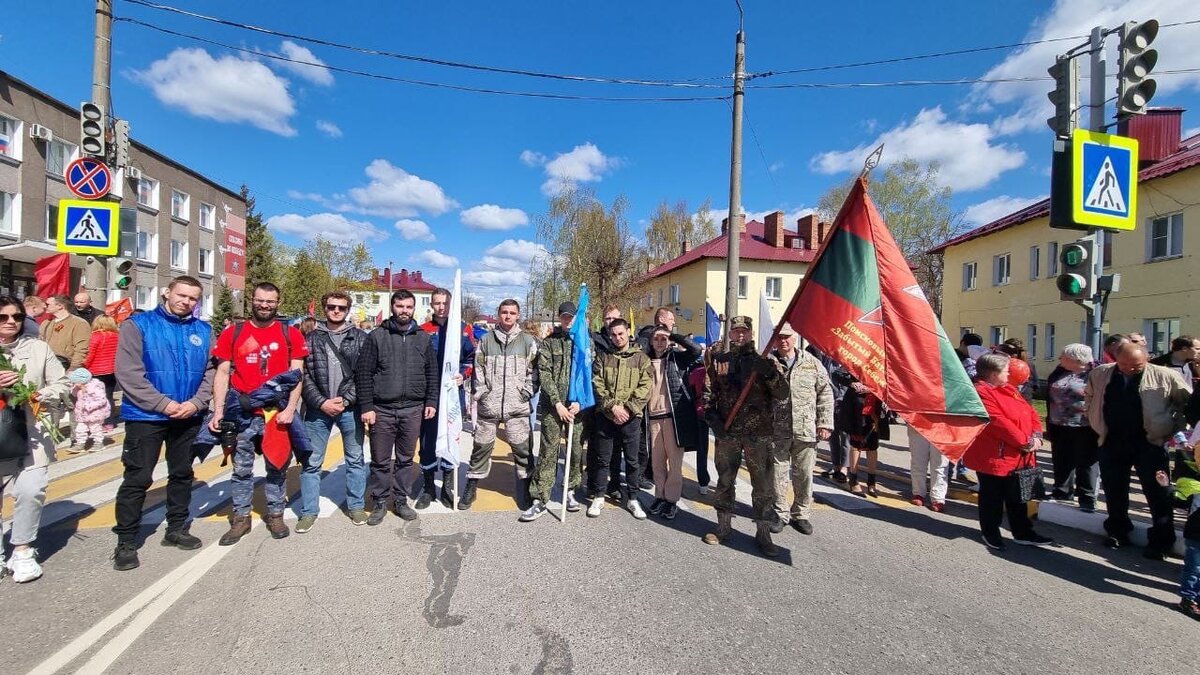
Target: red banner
120,310
53,275
234,250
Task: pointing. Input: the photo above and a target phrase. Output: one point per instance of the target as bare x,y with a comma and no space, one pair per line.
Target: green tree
224,310
348,264
917,210
262,250
307,279
670,226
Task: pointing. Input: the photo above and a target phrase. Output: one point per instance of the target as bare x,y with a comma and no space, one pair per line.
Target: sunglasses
337,308
5,318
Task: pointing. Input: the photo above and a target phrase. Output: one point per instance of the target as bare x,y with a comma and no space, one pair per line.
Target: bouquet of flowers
20,393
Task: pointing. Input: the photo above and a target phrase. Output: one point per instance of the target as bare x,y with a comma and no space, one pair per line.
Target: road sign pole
1095,313
96,269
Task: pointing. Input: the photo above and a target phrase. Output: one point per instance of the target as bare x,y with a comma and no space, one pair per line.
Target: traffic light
1077,264
1065,72
122,269
91,130
1134,63
121,143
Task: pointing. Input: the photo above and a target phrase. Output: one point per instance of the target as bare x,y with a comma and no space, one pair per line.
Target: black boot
426,497
524,501
447,491
468,495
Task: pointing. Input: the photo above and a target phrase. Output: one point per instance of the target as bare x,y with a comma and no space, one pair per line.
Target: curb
1093,523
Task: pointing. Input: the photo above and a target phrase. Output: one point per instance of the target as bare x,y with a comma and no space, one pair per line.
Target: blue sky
434,178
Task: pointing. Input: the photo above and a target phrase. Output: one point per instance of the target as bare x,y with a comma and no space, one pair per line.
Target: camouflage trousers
554,432
759,461
794,462
516,433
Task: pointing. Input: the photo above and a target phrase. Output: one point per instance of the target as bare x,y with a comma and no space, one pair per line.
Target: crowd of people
263,386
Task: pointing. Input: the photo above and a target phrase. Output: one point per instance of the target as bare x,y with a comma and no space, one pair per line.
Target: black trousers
1075,455
143,442
611,439
702,476
994,500
1147,459
393,446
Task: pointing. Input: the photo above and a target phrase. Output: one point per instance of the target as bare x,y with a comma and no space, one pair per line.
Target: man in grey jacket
330,398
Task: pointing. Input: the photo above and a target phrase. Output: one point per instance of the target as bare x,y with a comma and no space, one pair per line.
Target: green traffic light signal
1072,256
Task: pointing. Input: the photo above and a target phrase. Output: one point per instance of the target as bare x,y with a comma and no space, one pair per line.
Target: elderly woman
27,476
1074,448
1009,441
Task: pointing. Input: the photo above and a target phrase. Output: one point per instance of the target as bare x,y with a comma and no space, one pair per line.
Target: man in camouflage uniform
752,432
805,417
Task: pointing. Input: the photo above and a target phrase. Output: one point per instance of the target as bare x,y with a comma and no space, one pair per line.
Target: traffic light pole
95,269
1096,122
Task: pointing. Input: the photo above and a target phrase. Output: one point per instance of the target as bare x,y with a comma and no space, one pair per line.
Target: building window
774,288
1035,262
181,204
148,193
143,297
660,299
179,254
1050,351
146,248
998,334
1159,333
1166,236
1001,269
1052,258
52,222
206,261
970,272
674,293
743,282
1031,344
58,155
9,210
208,216
10,137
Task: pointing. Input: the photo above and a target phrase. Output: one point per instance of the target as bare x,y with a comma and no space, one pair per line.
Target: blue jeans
319,425
1189,587
242,482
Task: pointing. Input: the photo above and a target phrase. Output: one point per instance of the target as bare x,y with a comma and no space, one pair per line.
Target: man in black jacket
396,377
330,397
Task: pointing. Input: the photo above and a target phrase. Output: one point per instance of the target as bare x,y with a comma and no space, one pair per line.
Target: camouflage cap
741,322
786,330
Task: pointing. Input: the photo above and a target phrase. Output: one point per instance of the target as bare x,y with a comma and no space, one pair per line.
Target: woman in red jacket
1007,443
102,357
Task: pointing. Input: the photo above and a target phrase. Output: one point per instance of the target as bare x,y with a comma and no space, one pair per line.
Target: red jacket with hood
996,451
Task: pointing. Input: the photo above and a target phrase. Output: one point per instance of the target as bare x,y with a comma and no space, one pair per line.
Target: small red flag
120,310
53,275
379,318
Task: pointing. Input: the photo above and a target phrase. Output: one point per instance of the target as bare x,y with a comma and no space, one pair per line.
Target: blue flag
712,325
580,389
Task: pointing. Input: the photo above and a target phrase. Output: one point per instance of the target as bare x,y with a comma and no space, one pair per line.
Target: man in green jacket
622,381
555,413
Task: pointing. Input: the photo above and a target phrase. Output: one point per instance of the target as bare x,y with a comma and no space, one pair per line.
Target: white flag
766,326
449,416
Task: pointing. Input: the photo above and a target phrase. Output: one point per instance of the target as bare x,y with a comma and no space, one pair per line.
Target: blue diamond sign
88,227
1104,180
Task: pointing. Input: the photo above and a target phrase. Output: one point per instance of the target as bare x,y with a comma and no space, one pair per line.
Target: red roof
753,246
1186,157
386,281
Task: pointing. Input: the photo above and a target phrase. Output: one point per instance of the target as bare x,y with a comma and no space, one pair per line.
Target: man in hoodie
663,316
503,376
396,377
437,331
330,396
622,382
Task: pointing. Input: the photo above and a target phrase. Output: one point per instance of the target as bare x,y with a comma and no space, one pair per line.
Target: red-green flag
861,304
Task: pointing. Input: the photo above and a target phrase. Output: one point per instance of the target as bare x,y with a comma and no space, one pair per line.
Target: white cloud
493,217
532,158
329,129
966,153
329,225
519,250
395,193
583,164
775,166
496,278
304,64
1066,18
435,258
226,89
505,267
414,230
996,208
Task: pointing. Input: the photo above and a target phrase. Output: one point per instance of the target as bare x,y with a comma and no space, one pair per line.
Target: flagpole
567,471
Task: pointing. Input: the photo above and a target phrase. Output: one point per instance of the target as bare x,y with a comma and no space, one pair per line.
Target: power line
922,83
424,83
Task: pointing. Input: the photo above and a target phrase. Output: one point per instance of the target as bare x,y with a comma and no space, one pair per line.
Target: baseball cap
567,307
786,330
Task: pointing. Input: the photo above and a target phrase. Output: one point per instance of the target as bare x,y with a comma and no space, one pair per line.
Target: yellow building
1000,278
772,258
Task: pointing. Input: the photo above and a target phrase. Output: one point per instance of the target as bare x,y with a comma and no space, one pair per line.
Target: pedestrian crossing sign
88,227
1104,180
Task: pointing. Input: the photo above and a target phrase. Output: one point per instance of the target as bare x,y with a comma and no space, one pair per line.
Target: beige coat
43,371
1164,396
69,337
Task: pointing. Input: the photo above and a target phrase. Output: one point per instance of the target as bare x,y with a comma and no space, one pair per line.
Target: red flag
312,307
53,275
379,318
861,304
120,310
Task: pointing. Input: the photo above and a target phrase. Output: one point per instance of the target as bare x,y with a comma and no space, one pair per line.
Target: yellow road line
77,482
333,456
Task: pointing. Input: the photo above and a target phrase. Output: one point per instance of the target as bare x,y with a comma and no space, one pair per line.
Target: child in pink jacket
91,409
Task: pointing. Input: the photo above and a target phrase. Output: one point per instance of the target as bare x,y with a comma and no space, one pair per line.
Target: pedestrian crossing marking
1106,192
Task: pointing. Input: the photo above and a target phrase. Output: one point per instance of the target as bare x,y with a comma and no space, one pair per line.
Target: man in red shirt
249,354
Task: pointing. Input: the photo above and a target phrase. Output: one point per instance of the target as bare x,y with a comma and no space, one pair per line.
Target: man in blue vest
165,372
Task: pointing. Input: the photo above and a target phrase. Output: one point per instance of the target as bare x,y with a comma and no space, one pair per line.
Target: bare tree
471,307
670,226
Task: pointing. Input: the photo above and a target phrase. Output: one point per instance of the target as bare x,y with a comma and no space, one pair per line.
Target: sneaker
1189,607
593,509
670,511
125,557
533,513
937,507
657,505
403,510
704,489
918,500
645,483
181,539
358,516
635,507
23,566
305,524
1033,539
995,543
377,514
572,503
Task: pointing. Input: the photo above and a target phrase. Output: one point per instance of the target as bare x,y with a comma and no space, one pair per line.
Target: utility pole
733,227
96,269
1095,313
